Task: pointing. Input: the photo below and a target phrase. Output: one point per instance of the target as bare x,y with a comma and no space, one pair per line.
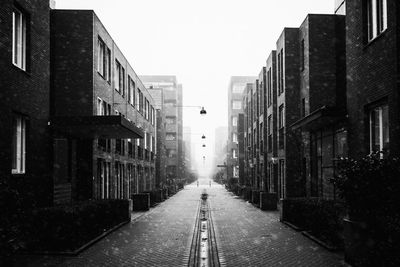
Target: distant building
220,149
236,87
173,123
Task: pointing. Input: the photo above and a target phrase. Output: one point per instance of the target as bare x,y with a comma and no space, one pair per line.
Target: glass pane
385,126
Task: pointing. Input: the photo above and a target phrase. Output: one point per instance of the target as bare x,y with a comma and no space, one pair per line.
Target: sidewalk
248,236
159,237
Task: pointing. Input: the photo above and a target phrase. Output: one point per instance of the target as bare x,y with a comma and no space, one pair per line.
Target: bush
323,218
370,188
66,228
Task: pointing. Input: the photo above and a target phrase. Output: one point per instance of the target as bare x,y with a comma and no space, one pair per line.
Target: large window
119,78
377,17
238,88
19,39
236,104
269,86
18,144
379,128
302,55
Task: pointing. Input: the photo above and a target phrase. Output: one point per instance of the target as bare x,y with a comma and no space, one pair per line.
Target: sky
203,43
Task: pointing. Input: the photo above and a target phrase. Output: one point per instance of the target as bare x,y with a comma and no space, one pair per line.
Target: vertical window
131,91
117,77
376,17
19,39
18,145
234,138
302,55
100,56
281,73
99,107
379,128
281,116
234,121
147,110
269,87
122,81
153,116
236,104
282,181
107,66
303,107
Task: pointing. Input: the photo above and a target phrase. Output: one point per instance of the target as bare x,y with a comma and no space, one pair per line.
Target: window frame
19,39
19,144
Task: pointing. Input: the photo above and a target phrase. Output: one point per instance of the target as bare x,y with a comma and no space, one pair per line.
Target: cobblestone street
246,236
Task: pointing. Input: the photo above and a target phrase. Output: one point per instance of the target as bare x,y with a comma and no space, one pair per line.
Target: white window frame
19,145
234,121
19,39
376,18
239,106
379,110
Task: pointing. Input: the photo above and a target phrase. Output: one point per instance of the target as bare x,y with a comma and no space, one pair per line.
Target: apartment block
173,123
372,60
25,150
236,87
289,146
270,125
103,118
322,101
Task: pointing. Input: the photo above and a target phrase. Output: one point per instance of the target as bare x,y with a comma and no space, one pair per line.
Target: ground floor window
326,147
379,128
282,181
18,144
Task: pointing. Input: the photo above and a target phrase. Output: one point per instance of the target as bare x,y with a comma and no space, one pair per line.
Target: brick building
270,125
322,101
372,60
289,146
103,118
25,150
236,87
173,123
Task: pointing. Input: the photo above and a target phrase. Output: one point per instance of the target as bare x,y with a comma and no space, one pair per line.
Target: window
234,121
147,110
103,59
146,115
269,86
170,120
19,39
280,72
234,153
376,17
18,144
119,78
303,107
236,104
238,88
281,116
170,136
234,138
379,128
153,116
302,55
131,91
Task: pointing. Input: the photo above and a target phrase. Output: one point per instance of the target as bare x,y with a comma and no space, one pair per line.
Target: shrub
323,218
66,228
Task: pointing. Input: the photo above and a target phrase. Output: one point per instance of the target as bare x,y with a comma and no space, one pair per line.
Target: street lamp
204,145
203,137
203,111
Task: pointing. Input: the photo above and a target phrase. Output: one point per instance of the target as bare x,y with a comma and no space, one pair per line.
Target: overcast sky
202,42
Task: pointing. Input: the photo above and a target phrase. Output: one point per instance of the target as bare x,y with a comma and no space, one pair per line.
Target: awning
320,118
88,127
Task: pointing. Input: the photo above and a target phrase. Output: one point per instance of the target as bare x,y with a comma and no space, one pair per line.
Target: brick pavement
247,236
161,237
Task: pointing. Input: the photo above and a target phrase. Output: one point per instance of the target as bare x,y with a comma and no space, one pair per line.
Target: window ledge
21,70
372,41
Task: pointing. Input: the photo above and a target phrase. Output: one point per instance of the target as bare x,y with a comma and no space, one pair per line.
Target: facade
270,125
104,132
173,123
322,101
288,141
372,60
236,87
158,96
25,150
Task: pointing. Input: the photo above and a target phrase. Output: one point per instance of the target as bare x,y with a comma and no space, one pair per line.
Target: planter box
141,202
255,197
268,201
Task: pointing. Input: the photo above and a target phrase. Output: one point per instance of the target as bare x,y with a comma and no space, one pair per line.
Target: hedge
67,228
323,218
